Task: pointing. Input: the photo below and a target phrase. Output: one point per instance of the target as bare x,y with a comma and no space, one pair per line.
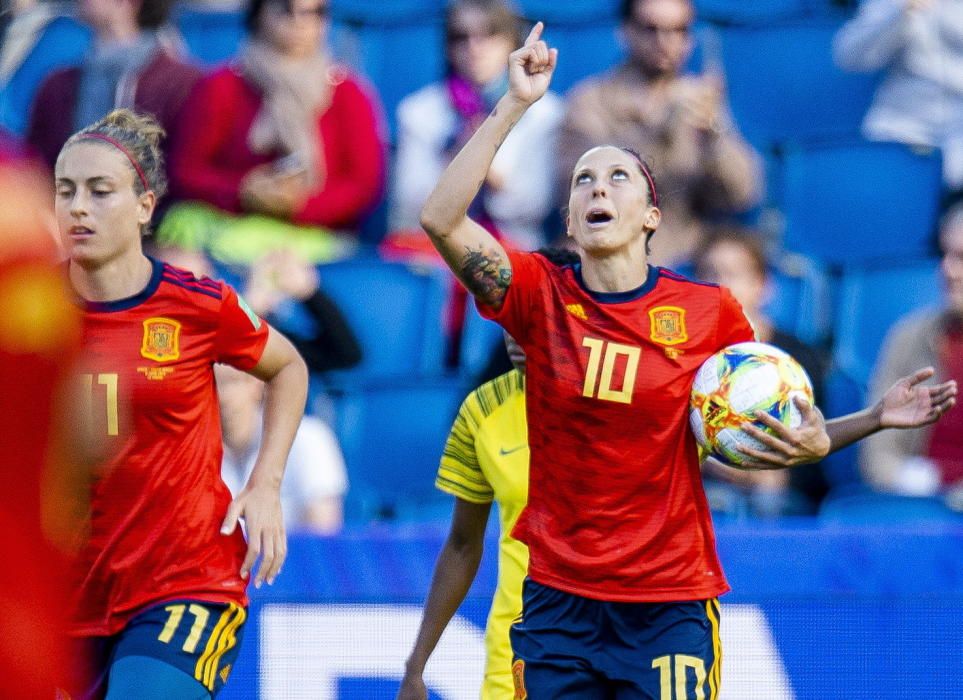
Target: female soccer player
623,573
161,595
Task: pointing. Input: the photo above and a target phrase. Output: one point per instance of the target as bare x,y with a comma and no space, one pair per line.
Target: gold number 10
682,663
109,381
605,354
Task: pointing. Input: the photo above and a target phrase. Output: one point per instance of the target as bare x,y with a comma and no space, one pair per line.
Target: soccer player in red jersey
623,579
161,590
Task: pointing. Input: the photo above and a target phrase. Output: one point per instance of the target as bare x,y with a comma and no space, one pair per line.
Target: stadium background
863,601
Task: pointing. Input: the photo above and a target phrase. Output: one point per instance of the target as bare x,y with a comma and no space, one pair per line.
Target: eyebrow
97,179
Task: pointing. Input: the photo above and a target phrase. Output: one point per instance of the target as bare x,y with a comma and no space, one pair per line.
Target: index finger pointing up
535,34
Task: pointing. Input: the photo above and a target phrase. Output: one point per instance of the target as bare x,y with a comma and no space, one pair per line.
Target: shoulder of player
202,291
492,394
671,277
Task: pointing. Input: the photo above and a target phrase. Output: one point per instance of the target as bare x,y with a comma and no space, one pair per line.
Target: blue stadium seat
396,310
756,11
859,201
842,395
583,31
800,297
479,339
858,505
871,299
212,35
392,435
398,45
800,302
783,84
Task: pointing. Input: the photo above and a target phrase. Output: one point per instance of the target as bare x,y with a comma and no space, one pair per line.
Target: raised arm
472,253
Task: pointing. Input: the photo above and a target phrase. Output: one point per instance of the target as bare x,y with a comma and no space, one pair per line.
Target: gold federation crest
161,339
667,325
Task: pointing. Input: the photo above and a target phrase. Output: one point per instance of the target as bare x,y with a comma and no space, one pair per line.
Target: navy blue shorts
178,650
567,646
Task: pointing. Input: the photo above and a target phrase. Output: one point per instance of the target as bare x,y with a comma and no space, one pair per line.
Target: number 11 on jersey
605,354
109,382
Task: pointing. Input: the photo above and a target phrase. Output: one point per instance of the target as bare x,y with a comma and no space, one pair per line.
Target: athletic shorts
567,646
177,650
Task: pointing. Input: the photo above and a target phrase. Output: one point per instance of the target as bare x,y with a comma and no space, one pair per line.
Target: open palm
909,404
530,67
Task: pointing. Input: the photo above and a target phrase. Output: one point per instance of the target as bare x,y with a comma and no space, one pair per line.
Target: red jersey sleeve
514,315
734,327
241,334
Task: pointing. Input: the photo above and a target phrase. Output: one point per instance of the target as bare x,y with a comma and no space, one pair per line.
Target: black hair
153,13
559,257
252,17
627,7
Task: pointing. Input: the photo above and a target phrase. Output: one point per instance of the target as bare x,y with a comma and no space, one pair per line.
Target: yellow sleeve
459,472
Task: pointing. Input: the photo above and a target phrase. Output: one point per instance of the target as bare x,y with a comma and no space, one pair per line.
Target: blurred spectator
131,64
38,37
679,123
919,43
315,480
287,292
736,260
436,121
926,460
283,134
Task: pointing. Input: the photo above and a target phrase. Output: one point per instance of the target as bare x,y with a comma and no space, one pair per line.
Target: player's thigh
670,650
147,678
554,643
197,639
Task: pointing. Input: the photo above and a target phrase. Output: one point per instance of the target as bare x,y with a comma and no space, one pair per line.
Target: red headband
648,176
120,147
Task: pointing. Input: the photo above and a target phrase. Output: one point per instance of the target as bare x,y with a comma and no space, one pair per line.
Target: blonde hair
138,137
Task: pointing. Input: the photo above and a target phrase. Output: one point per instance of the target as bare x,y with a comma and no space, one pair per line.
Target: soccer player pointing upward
623,578
161,583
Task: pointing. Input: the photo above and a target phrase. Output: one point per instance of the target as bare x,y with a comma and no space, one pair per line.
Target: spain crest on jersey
667,325
161,339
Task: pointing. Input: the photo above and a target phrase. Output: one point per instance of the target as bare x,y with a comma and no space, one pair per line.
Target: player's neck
112,280
621,272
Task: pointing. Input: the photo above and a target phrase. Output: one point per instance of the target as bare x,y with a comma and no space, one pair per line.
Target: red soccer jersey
159,501
616,509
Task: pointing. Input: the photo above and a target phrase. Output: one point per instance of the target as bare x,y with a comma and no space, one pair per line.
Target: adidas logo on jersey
577,311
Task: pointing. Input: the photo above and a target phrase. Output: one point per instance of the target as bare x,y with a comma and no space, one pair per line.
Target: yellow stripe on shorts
715,673
209,649
227,642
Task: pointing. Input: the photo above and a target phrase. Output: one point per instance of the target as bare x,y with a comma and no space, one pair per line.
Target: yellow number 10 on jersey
606,355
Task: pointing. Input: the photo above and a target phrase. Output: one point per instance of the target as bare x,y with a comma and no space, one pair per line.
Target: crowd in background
280,157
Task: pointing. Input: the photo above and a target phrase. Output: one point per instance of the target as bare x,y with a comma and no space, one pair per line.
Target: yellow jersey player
485,461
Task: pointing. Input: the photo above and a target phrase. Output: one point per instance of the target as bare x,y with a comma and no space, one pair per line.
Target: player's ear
146,203
653,216
568,221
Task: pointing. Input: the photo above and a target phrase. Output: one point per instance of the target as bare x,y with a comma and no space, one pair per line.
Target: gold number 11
109,382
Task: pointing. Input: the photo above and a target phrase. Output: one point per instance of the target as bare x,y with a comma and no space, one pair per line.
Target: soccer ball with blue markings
735,383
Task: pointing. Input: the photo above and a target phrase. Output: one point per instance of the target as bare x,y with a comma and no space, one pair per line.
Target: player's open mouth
80,232
597,218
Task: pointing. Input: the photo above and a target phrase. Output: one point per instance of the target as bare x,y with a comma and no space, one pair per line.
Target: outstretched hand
530,67
909,404
787,447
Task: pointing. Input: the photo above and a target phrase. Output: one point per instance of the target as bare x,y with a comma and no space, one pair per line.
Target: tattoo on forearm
486,275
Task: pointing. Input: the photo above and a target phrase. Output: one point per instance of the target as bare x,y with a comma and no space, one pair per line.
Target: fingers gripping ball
735,383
